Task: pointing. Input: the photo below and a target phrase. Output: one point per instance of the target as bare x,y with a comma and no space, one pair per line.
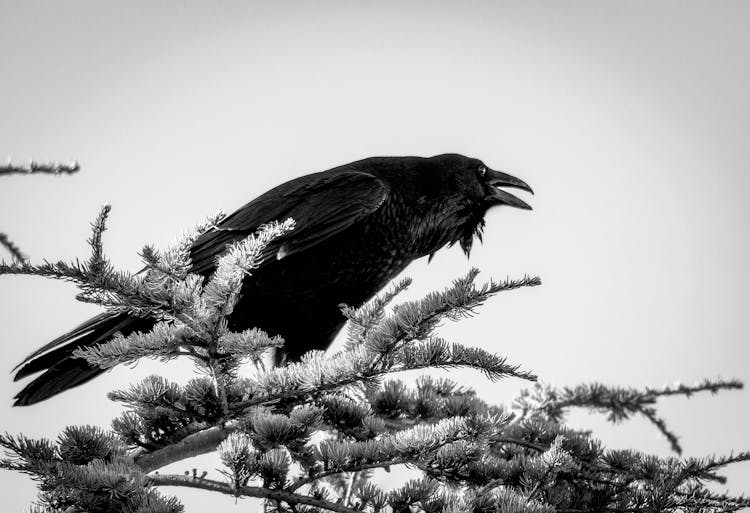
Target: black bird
357,227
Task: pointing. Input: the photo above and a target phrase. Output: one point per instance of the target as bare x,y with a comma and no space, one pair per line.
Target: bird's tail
61,370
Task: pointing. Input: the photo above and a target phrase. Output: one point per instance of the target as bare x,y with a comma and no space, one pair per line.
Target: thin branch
620,402
661,425
248,491
34,167
14,250
712,386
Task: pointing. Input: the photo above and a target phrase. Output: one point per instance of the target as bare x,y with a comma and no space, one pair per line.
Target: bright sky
629,119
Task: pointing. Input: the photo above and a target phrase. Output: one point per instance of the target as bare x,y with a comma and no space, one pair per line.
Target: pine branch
162,342
437,353
250,344
12,248
25,454
416,320
363,319
619,403
317,375
34,167
392,346
175,261
704,468
98,281
705,498
661,425
426,446
85,470
713,386
206,440
247,491
223,289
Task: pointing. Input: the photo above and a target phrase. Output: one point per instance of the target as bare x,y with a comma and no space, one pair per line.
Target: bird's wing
322,205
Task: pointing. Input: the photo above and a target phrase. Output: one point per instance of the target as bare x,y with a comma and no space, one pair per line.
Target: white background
629,119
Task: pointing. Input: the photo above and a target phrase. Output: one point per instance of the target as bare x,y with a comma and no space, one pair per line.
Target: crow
357,227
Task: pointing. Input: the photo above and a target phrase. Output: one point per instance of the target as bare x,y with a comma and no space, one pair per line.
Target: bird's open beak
497,179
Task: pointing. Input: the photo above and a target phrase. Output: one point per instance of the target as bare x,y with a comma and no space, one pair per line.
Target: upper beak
498,196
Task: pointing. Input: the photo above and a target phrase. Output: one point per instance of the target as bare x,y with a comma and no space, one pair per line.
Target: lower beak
497,179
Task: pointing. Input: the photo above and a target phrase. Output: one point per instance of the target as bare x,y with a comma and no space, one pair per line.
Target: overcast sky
629,119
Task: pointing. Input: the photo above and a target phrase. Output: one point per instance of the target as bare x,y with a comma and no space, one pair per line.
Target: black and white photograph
383,257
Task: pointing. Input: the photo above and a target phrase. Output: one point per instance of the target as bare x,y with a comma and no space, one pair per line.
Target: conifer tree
307,436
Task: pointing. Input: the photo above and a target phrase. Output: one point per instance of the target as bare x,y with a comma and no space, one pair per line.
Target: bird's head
474,181
447,196
473,185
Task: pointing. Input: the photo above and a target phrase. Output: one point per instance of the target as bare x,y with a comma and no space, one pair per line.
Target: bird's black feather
322,205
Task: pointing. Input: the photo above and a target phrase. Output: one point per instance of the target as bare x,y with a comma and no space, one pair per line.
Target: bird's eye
482,170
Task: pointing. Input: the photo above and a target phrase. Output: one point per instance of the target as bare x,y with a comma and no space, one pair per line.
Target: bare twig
49,168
